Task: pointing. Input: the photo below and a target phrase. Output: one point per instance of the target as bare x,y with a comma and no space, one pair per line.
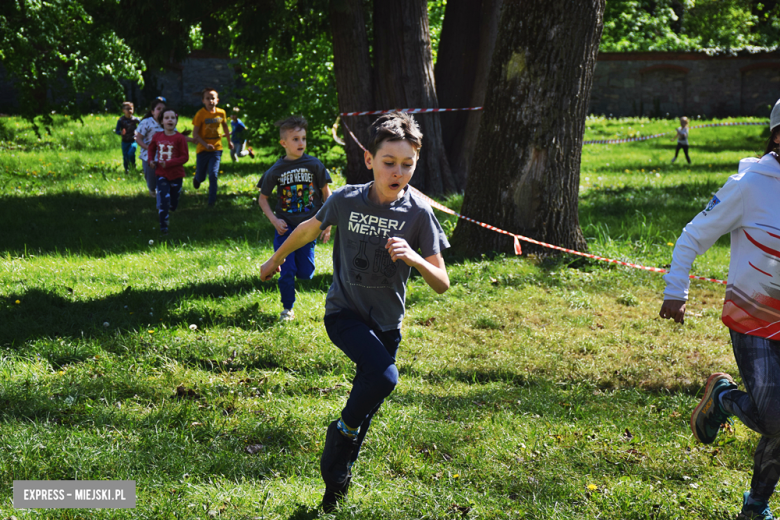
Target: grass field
531,389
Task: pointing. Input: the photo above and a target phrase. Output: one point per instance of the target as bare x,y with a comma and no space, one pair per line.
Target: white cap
774,118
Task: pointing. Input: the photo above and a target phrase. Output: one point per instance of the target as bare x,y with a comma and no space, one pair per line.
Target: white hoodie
748,207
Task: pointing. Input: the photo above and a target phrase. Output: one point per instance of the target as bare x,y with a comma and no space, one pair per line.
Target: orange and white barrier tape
518,238
646,137
408,111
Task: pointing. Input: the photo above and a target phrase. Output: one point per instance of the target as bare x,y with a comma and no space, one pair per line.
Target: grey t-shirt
365,279
298,186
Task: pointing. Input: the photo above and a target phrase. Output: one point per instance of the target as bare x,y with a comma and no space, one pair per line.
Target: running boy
746,206
381,227
301,183
125,127
168,152
237,128
205,132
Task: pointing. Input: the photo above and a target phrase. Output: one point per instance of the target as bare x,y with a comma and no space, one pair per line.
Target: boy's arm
432,268
279,224
306,232
325,235
118,129
226,129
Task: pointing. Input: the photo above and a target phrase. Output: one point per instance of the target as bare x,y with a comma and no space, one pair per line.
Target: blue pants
376,375
207,164
167,198
150,176
298,264
758,407
128,154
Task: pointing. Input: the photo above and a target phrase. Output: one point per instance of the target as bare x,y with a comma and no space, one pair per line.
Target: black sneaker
195,183
335,463
333,496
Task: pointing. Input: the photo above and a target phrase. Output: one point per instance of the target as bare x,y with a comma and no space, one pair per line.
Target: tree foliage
690,25
62,58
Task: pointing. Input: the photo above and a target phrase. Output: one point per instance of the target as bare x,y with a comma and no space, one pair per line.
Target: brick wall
657,84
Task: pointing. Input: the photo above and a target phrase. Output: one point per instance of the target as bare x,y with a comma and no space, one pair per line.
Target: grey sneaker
759,511
287,315
707,417
335,466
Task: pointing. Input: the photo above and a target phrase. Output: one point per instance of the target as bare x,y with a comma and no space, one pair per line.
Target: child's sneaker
335,464
195,183
251,152
674,159
287,315
754,511
708,416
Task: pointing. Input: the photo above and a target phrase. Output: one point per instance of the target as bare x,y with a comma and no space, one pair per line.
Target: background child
746,206
294,175
169,152
240,147
682,139
209,150
150,124
125,127
380,227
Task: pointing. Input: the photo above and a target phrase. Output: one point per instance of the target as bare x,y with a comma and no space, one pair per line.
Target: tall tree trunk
403,78
526,167
352,65
468,37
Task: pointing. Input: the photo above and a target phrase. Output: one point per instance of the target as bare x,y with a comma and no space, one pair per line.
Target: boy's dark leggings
758,407
373,353
167,198
684,149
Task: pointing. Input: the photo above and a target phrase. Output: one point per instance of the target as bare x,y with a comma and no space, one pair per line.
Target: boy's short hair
206,91
127,104
395,126
291,123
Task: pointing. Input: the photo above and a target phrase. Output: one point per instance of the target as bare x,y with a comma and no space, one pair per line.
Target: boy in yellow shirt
209,150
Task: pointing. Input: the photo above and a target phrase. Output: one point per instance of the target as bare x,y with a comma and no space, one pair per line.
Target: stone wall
181,85
667,84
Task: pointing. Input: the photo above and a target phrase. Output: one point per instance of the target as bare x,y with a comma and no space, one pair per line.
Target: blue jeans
149,176
376,375
298,264
167,198
758,407
128,154
207,164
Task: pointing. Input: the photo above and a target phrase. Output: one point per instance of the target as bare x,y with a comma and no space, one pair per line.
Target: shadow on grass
305,513
99,225
45,314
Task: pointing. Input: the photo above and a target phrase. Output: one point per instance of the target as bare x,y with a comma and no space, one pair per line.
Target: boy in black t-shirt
301,183
384,230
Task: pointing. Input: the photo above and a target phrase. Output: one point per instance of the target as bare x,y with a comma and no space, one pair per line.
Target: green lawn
531,389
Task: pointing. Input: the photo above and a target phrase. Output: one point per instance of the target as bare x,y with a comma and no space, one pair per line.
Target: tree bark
403,78
525,171
468,37
352,65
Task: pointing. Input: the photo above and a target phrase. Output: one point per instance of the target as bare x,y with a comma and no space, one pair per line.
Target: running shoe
707,417
759,511
335,466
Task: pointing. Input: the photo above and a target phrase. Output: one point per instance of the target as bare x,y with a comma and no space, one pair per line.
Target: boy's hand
161,164
399,249
673,309
152,165
269,269
209,147
280,225
230,143
325,235
124,131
